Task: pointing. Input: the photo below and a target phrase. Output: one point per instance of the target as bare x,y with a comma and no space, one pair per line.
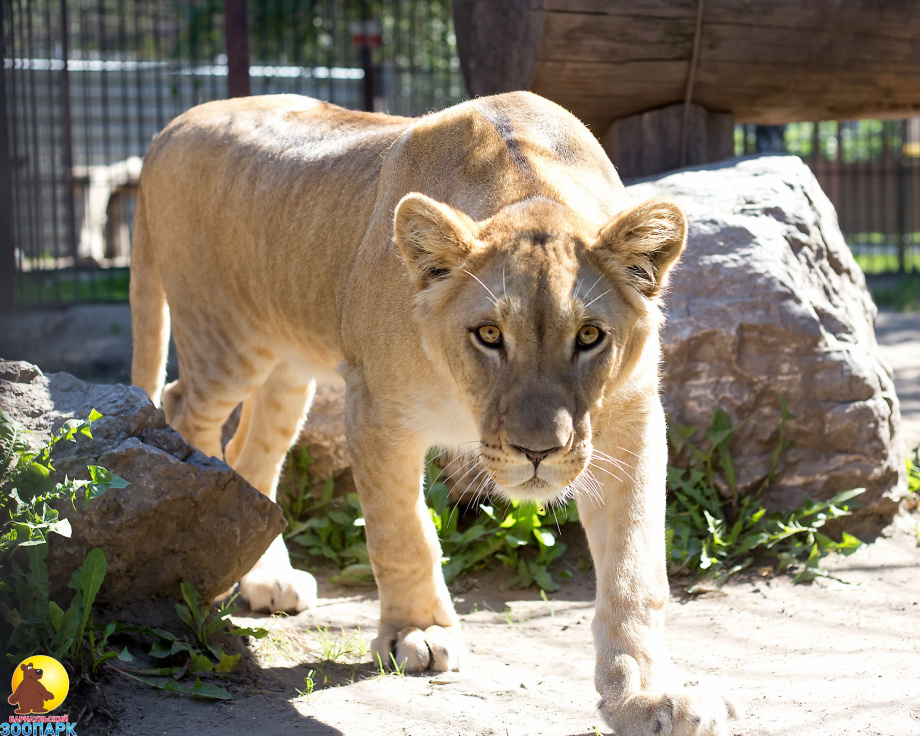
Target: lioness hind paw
437,649
286,590
672,714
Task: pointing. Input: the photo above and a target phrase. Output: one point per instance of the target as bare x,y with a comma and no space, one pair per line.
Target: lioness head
537,318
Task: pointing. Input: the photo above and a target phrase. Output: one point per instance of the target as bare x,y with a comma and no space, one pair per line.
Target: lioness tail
149,311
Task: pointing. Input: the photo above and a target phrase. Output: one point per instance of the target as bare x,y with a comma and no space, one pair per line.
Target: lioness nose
536,456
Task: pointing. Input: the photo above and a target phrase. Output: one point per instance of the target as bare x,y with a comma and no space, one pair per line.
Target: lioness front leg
418,626
640,692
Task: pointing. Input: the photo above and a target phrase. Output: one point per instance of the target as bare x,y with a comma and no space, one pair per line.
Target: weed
913,472
394,668
339,649
513,532
552,609
29,619
327,527
913,486
202,655
715,536
309,685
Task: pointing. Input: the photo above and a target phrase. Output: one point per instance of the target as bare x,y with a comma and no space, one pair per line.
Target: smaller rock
184,516
323,435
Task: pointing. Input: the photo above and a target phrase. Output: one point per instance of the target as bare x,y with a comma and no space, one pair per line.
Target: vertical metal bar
158,54
139,82
903,206
398,56
238,84
39,221
67,136
367,62
7,249
12,119
329,27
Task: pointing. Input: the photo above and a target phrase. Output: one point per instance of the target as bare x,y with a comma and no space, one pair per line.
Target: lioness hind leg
235,445
195,417
271,421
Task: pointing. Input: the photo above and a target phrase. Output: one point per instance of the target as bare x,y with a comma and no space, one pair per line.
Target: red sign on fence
366,33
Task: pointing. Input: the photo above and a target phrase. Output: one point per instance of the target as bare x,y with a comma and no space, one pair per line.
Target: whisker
616,465
461,456
457,502
596,489
599,296
628,452
617,461
470,466
494,298
604,470
587,490
592,286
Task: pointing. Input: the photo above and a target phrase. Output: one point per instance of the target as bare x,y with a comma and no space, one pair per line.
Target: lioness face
537,318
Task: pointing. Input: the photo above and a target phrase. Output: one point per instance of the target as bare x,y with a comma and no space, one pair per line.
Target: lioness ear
645,241
432,237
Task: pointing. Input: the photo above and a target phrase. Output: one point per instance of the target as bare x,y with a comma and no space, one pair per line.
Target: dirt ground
824,659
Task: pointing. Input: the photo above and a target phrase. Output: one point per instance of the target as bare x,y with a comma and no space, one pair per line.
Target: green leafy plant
198,654
29,619
913,472
337,649
309,685
515,533
717,534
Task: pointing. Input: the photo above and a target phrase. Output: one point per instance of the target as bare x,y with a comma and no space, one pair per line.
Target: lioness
475,276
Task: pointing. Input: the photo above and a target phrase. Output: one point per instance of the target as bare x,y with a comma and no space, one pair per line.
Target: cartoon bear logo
31,695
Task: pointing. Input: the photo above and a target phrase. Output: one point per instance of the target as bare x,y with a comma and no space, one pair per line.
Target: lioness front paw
285,589
681,713
437,648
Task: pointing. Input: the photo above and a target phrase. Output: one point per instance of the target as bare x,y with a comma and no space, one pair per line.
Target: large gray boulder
184,515
769,302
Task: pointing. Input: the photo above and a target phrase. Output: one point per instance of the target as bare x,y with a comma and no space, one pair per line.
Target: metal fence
870,170
86,84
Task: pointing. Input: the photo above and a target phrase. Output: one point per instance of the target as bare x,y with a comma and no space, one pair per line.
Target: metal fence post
67,135
7,249
367,63
237,48
903,205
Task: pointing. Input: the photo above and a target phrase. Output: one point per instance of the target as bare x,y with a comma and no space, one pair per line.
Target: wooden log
498,43
767,63
649,143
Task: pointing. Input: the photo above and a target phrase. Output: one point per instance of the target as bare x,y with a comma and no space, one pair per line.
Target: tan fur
295,241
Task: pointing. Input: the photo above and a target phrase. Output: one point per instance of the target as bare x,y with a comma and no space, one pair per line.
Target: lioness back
257,207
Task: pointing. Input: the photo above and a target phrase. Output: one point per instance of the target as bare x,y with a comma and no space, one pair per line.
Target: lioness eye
490,336
588,336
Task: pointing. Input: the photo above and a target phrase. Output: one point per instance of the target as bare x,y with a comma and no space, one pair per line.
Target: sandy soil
824,659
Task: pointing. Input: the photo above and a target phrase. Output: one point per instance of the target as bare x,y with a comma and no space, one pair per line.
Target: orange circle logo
40,685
